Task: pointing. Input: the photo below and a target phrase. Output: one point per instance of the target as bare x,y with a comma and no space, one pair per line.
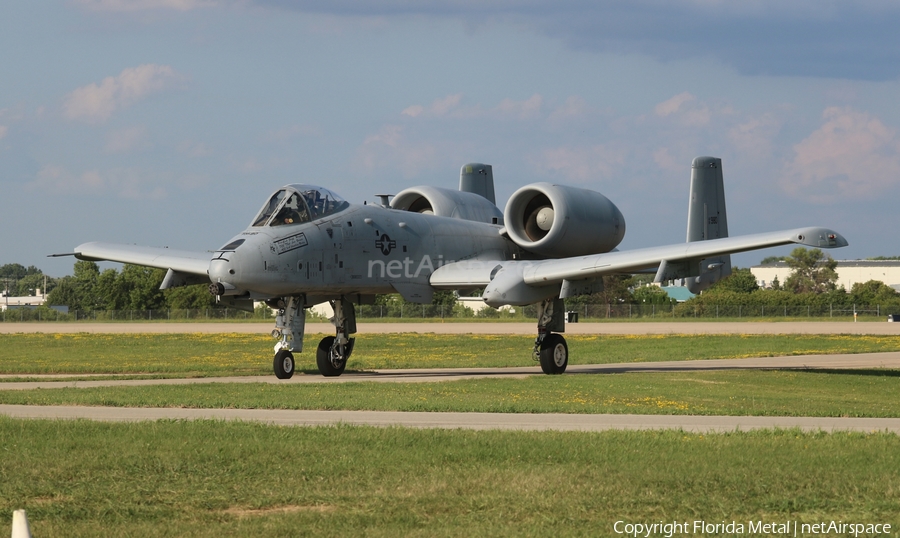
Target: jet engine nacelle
447,203
558,221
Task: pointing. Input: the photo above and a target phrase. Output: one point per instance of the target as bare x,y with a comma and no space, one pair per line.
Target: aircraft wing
553,271
181,261
537,274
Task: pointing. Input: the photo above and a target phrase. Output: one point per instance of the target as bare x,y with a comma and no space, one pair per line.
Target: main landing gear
550,348
333,351
290,325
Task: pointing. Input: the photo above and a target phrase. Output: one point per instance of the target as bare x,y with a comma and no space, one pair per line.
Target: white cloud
390,148
96,102
451,107
4,130
574,107
287,133
128,183
753,138
125,140
195,149
666,161
853,155
413,111
437,109
526,109
143,5
684,109
671,106
581,164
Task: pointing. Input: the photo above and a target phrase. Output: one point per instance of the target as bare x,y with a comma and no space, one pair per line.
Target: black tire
323,360
283,364
554,354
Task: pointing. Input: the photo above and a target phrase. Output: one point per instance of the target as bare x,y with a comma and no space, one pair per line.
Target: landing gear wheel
554,354
329,359
284,364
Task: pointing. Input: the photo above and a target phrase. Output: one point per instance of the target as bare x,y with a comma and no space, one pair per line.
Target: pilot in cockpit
293,212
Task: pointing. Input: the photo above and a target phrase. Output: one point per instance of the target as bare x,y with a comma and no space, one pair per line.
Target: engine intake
558,221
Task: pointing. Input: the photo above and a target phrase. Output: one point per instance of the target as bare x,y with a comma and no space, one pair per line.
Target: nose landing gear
290,324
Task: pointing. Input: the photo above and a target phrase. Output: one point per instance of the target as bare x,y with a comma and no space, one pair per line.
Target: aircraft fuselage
363,250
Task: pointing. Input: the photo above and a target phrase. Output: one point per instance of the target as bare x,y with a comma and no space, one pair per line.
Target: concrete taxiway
527,328
469,421
890,360
480,421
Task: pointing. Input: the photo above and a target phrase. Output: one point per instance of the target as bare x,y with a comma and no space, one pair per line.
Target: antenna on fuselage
385,200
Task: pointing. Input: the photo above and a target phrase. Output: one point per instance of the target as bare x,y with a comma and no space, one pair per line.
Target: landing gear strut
290,324
550,348
333,351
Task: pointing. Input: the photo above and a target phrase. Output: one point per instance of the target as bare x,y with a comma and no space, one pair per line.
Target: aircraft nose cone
225,267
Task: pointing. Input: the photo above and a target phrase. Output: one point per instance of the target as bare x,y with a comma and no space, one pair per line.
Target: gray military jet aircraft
307,246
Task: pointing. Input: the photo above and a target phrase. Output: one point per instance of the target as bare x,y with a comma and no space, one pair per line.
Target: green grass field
182,355
838,393
208,478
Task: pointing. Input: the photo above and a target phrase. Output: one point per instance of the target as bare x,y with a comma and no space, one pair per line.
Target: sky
170,122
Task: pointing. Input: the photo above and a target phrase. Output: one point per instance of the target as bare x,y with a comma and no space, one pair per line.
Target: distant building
849,272
679,293
12,303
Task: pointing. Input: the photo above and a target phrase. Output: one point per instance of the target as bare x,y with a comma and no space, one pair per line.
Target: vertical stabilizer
706,221
479,179
706,212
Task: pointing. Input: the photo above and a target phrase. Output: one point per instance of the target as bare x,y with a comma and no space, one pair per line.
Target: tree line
132,288
813,282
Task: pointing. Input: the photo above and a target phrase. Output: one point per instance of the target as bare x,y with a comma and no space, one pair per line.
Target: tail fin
706,212
479,179
706,220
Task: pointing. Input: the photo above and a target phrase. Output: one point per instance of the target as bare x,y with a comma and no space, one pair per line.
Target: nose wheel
284,364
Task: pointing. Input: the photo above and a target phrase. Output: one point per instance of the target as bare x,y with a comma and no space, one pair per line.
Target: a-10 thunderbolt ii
307,246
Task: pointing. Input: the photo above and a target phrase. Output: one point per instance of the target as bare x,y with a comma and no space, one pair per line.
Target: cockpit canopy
296,204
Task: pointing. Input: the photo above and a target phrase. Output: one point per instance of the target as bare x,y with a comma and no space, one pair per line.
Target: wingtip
820,238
